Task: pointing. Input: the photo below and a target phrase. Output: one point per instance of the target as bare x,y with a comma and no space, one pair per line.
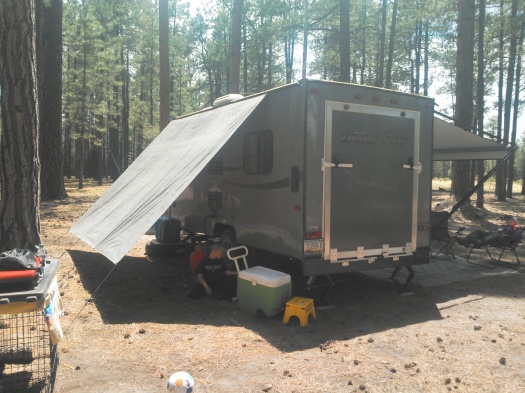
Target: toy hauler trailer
334,175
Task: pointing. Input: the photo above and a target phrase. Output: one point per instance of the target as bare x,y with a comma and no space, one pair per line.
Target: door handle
410,165
326,164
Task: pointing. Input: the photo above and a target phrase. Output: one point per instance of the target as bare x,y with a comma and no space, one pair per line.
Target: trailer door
371,170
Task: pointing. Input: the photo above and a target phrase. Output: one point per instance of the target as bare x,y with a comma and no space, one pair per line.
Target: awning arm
475,188
464,126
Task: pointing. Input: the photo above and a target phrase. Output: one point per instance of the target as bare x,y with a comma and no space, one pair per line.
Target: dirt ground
138,327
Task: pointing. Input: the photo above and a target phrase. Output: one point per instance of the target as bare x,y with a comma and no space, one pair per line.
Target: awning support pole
475,188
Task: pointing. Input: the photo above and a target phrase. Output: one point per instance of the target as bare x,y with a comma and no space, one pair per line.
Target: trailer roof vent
227,99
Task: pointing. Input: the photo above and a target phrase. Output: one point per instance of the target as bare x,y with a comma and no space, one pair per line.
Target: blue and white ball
181,382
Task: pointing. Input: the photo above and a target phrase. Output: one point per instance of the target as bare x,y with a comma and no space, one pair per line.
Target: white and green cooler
263,291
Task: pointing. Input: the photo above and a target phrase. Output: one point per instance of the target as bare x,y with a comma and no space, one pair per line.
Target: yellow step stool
301,308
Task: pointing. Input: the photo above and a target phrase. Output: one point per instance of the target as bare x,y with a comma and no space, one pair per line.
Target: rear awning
157,177
454,143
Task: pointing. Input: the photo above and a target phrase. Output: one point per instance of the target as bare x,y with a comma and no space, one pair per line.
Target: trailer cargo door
371,170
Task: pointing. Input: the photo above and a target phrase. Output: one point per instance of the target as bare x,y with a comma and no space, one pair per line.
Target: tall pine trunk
81,142
502,196
344,41
388,83
305,40
235,48
464,89
382,39
516,109
125,108
363,43
481,97
500,174
164,59
49,69
426,65
20,166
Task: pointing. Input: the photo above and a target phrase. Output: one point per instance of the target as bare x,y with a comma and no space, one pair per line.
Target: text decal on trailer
371,138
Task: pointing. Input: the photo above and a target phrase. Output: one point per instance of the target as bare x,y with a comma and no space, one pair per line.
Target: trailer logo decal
371,138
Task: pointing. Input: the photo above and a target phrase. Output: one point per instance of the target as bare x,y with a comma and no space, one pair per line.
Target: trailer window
258,153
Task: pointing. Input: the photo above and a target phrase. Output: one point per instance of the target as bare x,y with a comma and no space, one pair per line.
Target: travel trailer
333,175
337,176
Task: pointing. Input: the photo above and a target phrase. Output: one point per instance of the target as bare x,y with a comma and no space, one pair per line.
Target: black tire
227,239
155,248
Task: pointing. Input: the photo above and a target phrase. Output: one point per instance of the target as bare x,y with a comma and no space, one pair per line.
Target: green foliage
111,49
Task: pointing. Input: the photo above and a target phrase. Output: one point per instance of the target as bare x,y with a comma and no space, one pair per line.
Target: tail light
314,235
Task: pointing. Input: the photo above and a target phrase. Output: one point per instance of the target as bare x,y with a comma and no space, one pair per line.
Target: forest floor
128,331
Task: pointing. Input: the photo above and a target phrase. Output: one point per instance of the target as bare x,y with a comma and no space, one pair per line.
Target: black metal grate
28,360
215,166
215,200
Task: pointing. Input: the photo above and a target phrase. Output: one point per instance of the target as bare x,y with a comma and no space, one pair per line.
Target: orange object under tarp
195,258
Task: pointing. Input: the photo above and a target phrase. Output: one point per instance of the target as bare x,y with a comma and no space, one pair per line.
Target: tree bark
426,62
288,39
417,47
49,70
305,40
500,174
344,41
235,49
125,108
363,47
382,39
81,143
464,88
388,83
512,160
502,192
515,111
480,100
245,62
20,165
164,59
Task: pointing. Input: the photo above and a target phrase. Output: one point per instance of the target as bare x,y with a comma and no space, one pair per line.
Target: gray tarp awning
453,143
157,177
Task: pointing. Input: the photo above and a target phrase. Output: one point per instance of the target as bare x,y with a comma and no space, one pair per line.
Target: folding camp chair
441,241
503,244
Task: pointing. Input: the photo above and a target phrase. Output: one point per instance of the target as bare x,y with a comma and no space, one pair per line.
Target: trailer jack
403,287
325,287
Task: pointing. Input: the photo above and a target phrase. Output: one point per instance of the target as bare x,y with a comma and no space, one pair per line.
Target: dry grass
140,327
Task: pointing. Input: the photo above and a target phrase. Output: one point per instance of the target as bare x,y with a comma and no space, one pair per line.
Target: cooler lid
264,276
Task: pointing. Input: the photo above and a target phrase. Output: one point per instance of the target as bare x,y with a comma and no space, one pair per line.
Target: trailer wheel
227,239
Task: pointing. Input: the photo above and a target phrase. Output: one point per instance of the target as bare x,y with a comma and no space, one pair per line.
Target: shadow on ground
139,290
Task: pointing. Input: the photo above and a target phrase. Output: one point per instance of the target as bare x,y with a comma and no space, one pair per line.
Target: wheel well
219,228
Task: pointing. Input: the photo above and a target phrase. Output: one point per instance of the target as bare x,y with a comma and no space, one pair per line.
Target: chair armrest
509,241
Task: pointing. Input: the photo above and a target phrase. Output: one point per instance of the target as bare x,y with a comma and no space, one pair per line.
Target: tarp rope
87,301
90,299
61,255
